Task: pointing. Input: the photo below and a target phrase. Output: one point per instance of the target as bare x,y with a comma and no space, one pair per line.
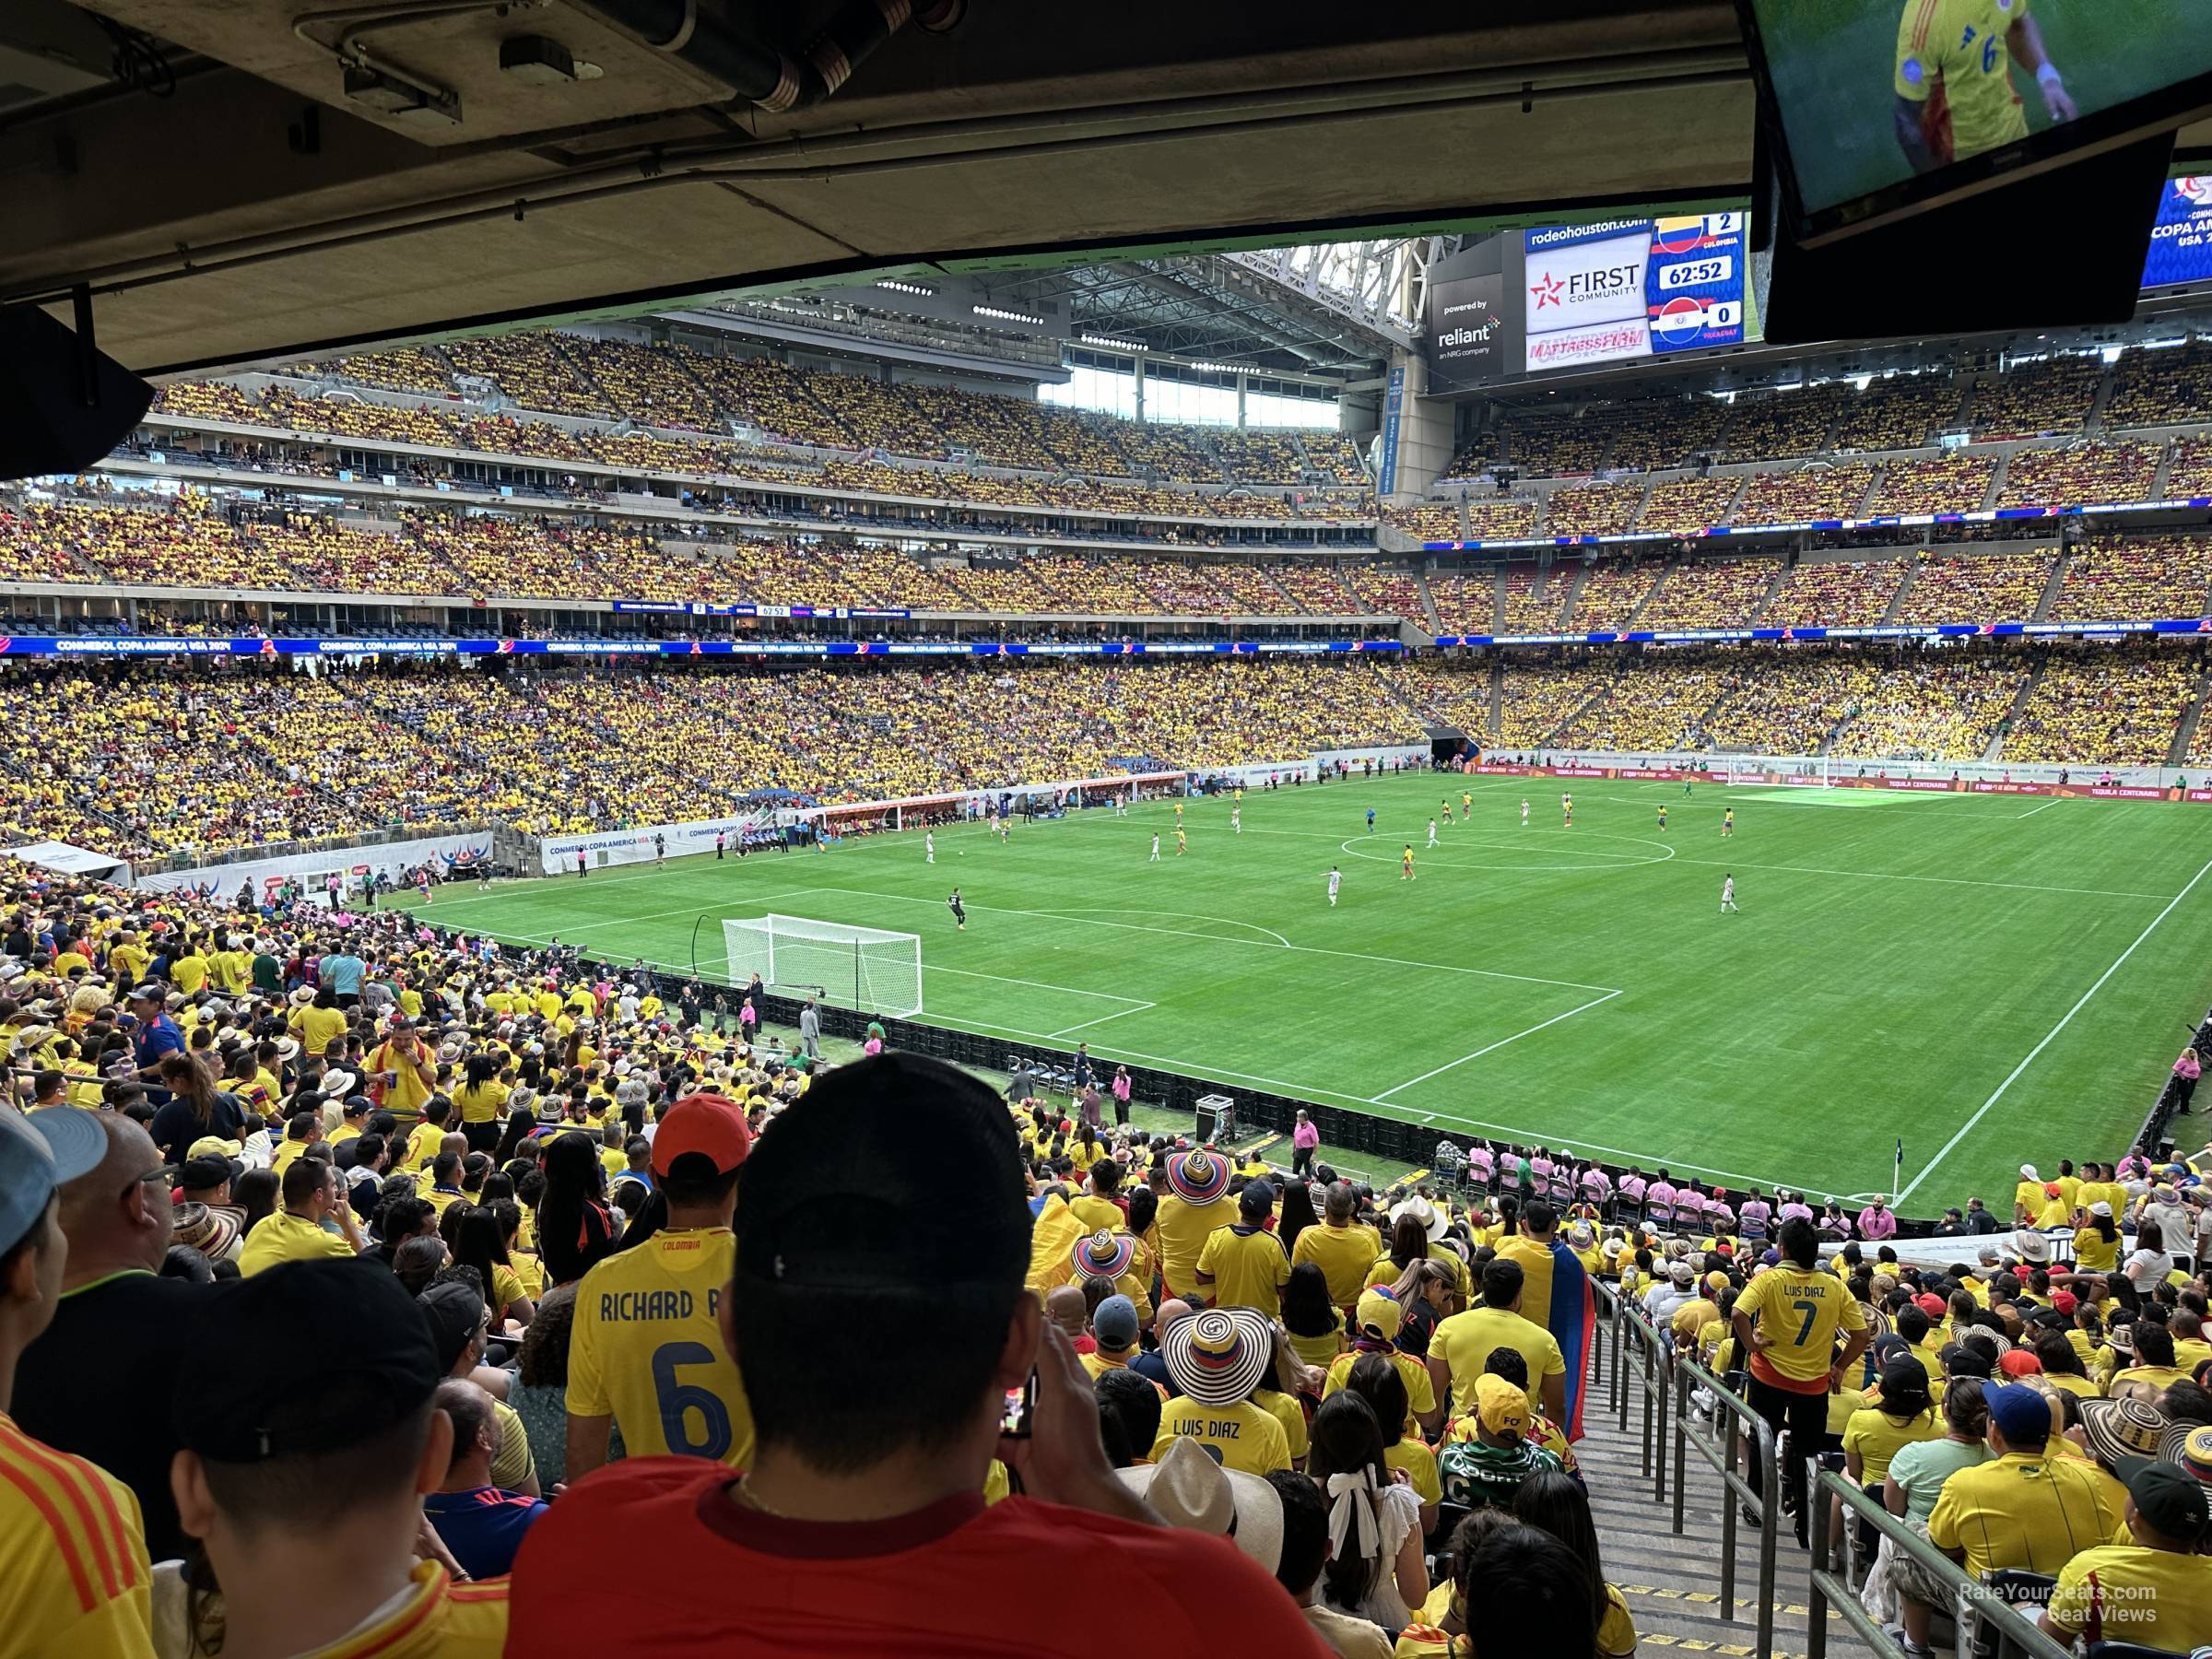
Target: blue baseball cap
2021,1414
38,1153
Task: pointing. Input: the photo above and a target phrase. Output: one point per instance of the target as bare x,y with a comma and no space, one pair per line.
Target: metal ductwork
763,75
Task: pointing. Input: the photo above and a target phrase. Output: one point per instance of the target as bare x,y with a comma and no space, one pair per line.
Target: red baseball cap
711,1124
1932,1305
2020,1362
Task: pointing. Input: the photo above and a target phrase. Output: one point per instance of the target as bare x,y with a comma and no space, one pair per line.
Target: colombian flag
1571,1317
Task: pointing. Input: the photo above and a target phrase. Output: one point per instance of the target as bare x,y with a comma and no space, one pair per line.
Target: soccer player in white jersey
1154,858
1728,896
1336,881
1236,819
1523,812
1432,832
929,846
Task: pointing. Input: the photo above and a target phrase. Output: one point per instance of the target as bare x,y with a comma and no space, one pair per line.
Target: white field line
1117,1014
2033,810
1997,1093
1493,1047
1035,985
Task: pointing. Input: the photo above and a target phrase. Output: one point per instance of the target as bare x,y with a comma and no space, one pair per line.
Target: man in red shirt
860,1527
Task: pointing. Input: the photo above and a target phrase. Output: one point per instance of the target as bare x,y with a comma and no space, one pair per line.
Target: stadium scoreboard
1562,297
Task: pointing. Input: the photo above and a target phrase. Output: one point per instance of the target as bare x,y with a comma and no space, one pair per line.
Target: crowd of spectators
1981,587
2160,388
1932,707
1903,411
1788,701
1952,483
142,758
2036,399
2097,706
1427,521
2119,579
1836,592
2079,475
473,1262
1612,592
1538,696
1777,425
1607,508
1536,599
1711,592
1804,494
1689,506
1655,433
1464,604
1655,703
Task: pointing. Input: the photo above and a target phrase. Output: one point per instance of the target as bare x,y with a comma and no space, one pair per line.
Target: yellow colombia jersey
1799,1310
439,1619
1952,60
646,1349
76,1581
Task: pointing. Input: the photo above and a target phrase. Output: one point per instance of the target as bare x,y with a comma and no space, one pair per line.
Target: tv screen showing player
1884,103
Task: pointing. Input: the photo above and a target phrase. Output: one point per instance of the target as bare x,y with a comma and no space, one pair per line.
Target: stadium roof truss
1311,310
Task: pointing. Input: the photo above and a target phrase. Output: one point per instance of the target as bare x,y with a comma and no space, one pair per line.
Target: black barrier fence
2173,1099
1343,1130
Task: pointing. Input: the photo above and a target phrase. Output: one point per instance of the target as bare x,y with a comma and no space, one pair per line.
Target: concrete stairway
1671,1582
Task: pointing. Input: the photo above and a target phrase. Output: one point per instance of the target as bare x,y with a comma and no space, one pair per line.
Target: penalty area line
1493,1047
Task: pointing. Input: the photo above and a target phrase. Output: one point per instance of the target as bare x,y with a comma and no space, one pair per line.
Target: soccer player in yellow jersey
1405,873
1788,1320
77,1578
307,1418
648,1353
1954,79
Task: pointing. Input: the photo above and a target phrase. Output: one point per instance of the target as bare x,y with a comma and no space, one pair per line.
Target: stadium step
2020,699
1420,578
1672,1584
2184,735
1781,575
2051,588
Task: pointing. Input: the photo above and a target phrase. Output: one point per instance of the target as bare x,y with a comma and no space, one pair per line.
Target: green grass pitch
1997,980
1834,62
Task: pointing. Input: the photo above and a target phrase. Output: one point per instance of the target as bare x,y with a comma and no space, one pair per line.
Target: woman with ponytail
1376,1567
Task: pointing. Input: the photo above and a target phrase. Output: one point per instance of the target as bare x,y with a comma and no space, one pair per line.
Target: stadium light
1109,341
1007,316
898,287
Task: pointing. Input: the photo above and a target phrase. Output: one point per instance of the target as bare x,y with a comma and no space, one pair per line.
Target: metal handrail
1666,1378
1830,1590
1765,1497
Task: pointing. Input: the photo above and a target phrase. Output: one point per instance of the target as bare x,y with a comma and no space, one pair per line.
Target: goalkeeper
960,910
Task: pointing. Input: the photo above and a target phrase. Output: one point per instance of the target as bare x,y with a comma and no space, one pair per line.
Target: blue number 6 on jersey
677,1398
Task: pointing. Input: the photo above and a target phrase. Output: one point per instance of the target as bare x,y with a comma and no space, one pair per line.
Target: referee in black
960,910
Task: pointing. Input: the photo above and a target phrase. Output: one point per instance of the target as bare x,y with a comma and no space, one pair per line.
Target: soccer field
1836,65
1993,980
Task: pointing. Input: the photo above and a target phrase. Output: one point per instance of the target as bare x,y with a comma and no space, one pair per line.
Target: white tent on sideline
74,861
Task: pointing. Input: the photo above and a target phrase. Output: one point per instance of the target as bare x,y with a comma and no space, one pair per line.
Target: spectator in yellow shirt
78,1582
296,1233
2154,1591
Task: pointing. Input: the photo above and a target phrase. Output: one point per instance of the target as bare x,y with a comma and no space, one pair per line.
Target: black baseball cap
302,1358
843,1196
204,1175
2169,1498
453,1314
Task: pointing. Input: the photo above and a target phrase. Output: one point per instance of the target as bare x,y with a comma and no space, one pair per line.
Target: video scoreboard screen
2181,243
1633,289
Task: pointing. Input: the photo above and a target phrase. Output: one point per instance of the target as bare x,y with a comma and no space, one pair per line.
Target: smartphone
1021,1409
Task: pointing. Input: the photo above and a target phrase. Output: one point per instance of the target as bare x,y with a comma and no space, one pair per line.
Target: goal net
864,967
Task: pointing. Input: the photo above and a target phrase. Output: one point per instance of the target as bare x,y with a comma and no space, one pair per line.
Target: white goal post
864,967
